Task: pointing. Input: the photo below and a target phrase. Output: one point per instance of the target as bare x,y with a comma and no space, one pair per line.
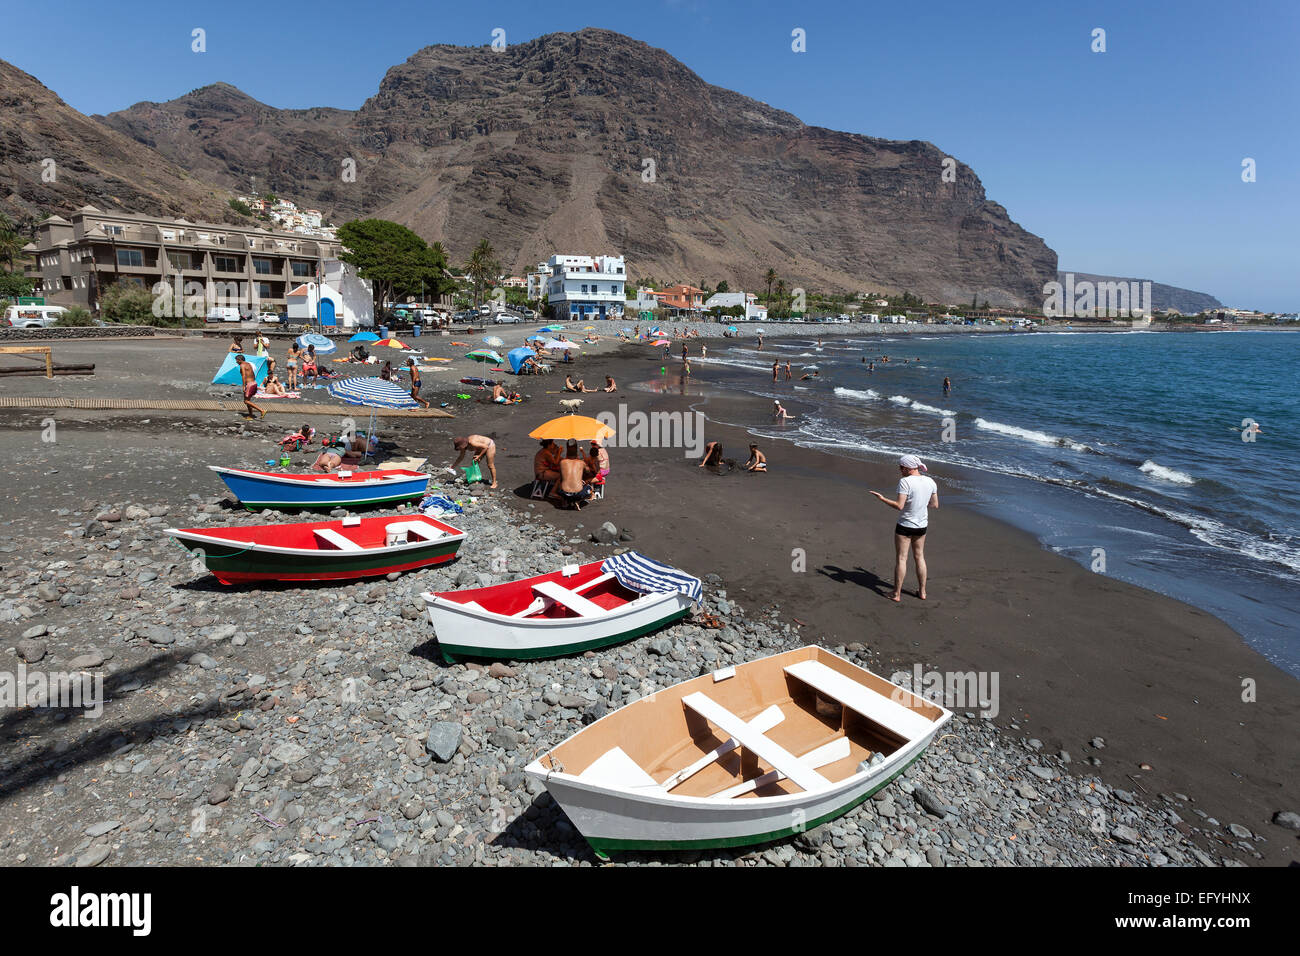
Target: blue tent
516,358
228,374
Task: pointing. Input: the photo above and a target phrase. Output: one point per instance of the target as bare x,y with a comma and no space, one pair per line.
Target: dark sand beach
1078,655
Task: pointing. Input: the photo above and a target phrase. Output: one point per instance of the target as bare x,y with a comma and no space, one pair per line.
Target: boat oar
837,749
762,723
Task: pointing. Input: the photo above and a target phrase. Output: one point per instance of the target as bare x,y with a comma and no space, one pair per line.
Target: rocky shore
310,726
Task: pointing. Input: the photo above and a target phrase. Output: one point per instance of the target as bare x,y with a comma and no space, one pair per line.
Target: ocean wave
921,406
1029,434
1166,474
855,394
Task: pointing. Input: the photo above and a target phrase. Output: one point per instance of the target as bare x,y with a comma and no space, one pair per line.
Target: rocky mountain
594,142
1162,296
54,159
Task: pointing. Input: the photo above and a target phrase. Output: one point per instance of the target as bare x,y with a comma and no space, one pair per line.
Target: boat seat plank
759,744
417,528
762,723
876,707
615,768
333,537
574,602
598,580
837,749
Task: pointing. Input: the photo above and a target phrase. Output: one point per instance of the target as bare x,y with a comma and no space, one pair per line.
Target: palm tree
769,279
483,268
780,293
11,241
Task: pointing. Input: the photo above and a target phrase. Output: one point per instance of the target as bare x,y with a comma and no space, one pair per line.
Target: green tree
242,208
780,294
11,241
769,279
128,303
394,260
483,269
12,285
723,287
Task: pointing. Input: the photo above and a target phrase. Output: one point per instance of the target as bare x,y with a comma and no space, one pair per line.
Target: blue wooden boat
344,489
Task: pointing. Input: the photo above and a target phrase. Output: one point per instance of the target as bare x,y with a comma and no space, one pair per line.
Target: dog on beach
571,404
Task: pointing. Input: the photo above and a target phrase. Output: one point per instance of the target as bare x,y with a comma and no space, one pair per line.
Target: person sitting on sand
546,463
483,447
609,385
575,472
359,353
712,455
236,343
272,385
916,494
779,413
757,460
386,373
579,386
499,394
249,378
298,439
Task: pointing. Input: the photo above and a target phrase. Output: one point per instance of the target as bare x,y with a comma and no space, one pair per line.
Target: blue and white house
586,287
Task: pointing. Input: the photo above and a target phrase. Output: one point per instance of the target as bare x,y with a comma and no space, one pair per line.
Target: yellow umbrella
392,343
577,427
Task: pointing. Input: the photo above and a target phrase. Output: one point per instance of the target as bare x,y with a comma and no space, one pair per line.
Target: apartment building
78,258
586,287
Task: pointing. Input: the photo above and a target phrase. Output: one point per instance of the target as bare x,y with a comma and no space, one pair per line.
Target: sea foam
1166,474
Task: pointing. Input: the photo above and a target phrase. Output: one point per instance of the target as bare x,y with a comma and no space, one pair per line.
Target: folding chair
540,488
597,489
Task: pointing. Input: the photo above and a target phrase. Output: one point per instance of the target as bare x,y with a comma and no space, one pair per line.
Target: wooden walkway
212,405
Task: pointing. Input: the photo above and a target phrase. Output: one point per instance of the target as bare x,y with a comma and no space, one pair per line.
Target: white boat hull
465,631
617,819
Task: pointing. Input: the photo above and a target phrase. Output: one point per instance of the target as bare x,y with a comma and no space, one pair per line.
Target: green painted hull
233,565
451,653
300,506
604,847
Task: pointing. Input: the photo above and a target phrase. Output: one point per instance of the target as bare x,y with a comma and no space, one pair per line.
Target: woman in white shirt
916,494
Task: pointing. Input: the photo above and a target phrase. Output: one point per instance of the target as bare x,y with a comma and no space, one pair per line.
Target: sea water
1122,450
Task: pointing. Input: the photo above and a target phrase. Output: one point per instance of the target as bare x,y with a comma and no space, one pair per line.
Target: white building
342,299
586,287
726,300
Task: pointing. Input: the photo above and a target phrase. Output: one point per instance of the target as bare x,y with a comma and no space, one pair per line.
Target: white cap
911,461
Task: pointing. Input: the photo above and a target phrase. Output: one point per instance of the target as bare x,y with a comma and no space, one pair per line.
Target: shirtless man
575,471
415,383
249,378
757,460
787,371
483,448
775,366
609,385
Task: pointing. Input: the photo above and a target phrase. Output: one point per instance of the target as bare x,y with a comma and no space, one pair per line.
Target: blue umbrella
323,345
516,358
363,337
535,338
372,393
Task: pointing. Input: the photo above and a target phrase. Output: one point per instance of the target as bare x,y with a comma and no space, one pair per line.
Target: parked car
223,314
507,318
268,317
32,316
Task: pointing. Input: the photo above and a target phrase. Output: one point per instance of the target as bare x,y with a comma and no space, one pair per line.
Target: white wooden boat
744,755
569,611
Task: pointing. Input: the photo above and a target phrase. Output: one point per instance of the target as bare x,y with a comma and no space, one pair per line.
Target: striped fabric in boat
639,573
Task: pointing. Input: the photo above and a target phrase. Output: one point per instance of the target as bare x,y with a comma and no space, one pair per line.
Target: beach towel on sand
265,395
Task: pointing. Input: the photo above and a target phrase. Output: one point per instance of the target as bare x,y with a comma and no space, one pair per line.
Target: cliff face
590,142
1162,296
91,164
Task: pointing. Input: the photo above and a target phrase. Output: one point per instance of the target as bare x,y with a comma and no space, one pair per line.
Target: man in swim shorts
249,378
484,448
575,472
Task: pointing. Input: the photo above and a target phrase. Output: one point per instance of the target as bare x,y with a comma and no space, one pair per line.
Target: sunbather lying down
580,386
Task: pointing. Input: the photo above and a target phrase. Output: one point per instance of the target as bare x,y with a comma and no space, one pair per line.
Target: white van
32,316
224,314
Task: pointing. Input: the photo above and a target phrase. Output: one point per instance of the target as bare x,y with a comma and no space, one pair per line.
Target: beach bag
473,473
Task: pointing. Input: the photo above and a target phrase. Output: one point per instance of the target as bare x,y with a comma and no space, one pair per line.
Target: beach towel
266,395
437,505
638,573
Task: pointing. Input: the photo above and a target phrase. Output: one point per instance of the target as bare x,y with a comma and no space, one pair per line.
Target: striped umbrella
372,393
392,343
323,345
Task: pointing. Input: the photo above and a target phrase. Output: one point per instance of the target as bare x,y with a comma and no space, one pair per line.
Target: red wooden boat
322,550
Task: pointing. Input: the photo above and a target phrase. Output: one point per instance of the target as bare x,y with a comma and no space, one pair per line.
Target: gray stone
99,829
288,752
443,740
1288,819
30,651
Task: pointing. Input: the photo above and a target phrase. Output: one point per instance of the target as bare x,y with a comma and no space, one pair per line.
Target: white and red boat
568,611
322,550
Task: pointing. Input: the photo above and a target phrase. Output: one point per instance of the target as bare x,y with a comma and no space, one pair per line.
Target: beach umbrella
493,341
758,331
372,393
732,328
589,328
516,358
577,427
661,342
551,328
484,355
364,337
556,344
535,338
391,343
323,345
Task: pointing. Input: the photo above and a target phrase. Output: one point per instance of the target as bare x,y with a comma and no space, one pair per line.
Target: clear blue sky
1125,162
